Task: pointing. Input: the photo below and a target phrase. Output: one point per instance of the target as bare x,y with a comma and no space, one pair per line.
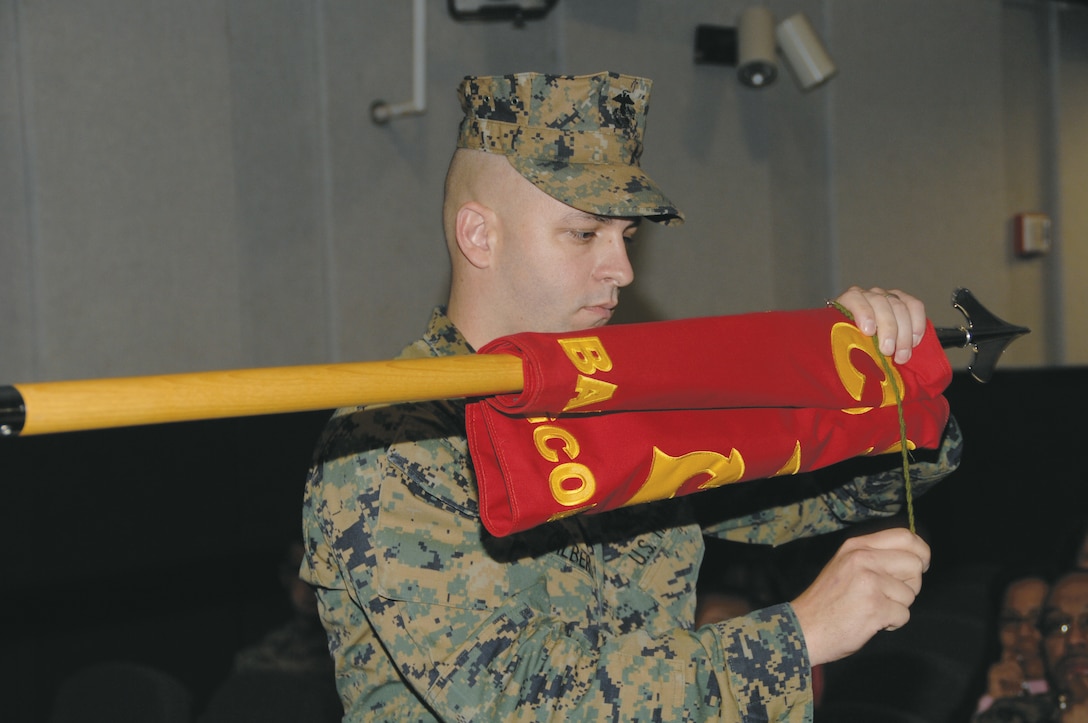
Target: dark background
157,544
160,544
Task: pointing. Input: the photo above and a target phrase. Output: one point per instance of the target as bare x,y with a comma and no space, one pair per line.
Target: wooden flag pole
45,408
69,406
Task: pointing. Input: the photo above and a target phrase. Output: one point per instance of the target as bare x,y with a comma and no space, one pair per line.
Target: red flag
631,413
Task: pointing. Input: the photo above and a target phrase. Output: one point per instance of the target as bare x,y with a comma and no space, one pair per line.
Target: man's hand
868,586
897,318
1005,678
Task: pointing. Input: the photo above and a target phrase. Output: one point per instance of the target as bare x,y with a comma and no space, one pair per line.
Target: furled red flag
631,413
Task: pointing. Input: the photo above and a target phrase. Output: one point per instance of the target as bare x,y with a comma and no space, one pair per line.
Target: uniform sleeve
426,612
864,497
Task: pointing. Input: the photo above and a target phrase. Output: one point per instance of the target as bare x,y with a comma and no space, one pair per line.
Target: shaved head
520,259
476,176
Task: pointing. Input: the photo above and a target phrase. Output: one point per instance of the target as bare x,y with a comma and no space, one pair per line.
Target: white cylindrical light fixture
804,51
756,66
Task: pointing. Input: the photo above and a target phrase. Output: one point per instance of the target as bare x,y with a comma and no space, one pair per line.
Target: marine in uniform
431,617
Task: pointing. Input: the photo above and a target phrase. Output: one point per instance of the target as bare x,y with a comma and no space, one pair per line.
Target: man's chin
1074,671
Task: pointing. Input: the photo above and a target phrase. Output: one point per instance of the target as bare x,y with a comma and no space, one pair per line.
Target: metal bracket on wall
517,11
382,112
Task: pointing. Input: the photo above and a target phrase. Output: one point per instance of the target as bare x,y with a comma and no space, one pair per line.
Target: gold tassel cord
886,363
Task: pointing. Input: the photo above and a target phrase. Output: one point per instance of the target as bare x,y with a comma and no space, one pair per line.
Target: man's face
1065,636
561,269
1081,560
1020,612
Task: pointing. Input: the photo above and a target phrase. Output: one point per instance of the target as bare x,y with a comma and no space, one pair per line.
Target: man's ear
475,227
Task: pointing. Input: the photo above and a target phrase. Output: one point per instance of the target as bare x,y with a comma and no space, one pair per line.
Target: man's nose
1078,634
616,265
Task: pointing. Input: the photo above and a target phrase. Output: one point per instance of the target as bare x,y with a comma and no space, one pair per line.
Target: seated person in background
722,604
288,675
738,579
1078,555
1064,628
300,645
1019,669
735,579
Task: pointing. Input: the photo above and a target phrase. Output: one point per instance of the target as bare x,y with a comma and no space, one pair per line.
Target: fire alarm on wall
1031,234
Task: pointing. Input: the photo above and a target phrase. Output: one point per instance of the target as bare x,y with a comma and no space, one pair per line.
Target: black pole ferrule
953,338
985,333
12,411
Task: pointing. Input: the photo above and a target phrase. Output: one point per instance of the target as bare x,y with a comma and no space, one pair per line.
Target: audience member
1081,560
1064,628
1019,669
735,579
119,691
300,645
288,675
738,579
715,605
1075,554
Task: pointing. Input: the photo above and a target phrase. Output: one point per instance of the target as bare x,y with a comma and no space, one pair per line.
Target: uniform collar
443,338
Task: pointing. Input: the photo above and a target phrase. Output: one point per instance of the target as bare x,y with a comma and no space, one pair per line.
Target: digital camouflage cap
577,138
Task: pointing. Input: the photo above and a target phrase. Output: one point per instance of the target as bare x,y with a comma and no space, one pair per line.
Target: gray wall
198,185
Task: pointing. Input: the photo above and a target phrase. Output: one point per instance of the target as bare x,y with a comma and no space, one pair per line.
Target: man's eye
583,235
1054,626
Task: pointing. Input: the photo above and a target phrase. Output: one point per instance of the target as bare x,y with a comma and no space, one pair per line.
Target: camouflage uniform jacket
591,618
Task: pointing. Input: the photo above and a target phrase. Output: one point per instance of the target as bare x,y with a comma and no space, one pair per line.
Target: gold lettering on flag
588,356
793,466
585,485
549,432
583,490
845,338
668,474
590,391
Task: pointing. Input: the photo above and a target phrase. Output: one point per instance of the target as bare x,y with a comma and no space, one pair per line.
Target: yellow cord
902,422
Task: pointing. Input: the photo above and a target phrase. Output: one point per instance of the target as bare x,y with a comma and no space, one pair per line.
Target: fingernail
868,328
887,346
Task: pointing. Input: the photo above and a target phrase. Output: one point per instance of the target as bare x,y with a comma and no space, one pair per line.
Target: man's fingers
896,318
916,311
897,538
868,585
909,325
902,592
